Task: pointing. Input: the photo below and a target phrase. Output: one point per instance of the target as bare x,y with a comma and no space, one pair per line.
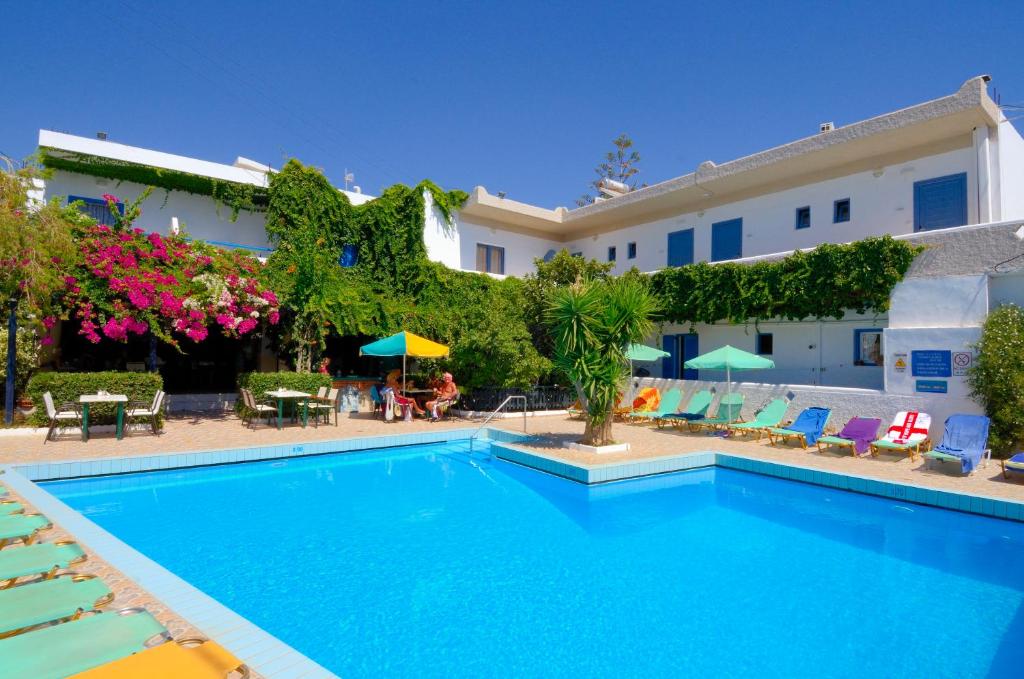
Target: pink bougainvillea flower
273,317
246,326
49,322
46,340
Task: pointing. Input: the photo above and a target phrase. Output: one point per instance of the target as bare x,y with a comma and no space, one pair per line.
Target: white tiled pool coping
613,471
260,650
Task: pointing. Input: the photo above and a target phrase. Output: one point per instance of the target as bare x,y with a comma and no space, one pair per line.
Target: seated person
443,394
394,383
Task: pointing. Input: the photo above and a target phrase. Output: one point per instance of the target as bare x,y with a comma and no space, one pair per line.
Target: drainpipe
12,361
983,159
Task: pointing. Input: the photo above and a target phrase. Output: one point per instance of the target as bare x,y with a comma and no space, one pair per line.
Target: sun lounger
807,428
42,559
47,601
857,435
192,658
648,399
64,650
669,404
908,433
964,442
696,409
22,527
8,507
1014,466
729,407
769,416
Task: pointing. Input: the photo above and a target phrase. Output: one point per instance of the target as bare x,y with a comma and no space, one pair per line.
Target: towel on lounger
862,431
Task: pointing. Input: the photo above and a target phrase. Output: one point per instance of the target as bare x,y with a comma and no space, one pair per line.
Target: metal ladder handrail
495,413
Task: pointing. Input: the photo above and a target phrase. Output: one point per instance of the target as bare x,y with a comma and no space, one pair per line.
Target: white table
87,399
282,395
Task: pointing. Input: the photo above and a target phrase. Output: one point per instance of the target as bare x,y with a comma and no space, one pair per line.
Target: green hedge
261,382
67,387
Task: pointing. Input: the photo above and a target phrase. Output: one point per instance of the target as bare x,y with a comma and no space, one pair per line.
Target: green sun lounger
669,404
43,558
8,507
73,647
3,491
728,412
50,601
696,409
769,416
21,527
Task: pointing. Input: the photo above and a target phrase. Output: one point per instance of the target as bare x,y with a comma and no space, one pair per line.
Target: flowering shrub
997,378
133,282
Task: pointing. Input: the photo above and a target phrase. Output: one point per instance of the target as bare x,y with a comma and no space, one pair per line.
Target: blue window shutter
669,369
941,202
680,248
727,240
691,348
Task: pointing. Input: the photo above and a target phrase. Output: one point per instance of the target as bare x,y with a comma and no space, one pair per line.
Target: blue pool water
422,562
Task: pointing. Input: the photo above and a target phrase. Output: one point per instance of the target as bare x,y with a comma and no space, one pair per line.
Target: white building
948,172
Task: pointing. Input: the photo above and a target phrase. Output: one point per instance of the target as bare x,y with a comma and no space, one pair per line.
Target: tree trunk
599,434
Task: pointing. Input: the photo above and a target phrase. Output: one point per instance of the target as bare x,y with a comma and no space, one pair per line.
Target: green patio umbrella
729,358
644,354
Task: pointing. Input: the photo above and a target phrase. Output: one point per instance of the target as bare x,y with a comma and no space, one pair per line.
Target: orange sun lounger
173,660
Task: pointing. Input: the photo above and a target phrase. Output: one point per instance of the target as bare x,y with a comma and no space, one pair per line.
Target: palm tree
593,322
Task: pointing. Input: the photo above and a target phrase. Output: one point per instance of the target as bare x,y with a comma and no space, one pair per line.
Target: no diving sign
961,362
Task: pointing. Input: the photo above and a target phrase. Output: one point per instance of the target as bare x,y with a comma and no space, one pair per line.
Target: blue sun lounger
964,442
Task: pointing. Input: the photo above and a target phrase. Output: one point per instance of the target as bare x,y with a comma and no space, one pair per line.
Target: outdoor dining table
119,399
282,395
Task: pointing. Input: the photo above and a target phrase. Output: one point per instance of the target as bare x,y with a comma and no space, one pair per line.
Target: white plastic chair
69,412
152,411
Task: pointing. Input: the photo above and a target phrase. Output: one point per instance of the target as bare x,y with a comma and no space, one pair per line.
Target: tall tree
620,164
593,323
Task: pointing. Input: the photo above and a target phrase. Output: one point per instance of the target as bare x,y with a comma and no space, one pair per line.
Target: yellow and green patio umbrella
404,344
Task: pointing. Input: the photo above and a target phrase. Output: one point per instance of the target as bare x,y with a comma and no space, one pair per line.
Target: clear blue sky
519,97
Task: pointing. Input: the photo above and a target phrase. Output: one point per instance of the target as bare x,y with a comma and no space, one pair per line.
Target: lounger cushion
1015,463
20,562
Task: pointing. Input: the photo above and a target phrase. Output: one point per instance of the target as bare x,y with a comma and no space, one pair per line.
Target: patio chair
79,645
195,658
56,600
857,435
696,409
1014,467
669,404
321,394
324,405
729,407
767,417
378,402
68,412
648,399
908,433
23,527
254,409
444,407
42,559
8,507
141,409
964,442
807,428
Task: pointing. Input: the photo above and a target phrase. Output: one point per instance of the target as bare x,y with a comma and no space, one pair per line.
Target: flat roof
933,127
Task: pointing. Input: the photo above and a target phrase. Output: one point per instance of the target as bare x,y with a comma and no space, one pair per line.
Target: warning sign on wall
899,362
962,360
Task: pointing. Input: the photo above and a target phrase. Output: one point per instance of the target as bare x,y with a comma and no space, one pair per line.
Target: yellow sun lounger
191,658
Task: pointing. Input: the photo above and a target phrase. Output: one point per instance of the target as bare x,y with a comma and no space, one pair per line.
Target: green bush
258,383
997,378
67,387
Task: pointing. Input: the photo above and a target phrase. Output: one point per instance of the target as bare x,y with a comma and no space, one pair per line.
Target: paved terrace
183,434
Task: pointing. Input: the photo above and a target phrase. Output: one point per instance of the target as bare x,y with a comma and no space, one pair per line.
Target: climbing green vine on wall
233,195
822,283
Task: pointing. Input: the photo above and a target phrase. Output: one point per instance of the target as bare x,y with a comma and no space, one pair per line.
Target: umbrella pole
403,375
728,382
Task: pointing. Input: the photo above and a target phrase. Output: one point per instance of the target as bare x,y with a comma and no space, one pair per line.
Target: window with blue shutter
95,208
611,253
691,348
631,250
841,211
803,217
680,248
941,202
727,240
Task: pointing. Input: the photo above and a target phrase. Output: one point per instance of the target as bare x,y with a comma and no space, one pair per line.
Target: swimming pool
425,561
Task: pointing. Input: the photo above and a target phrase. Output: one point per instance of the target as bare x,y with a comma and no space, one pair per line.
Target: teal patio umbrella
729,358
644,354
